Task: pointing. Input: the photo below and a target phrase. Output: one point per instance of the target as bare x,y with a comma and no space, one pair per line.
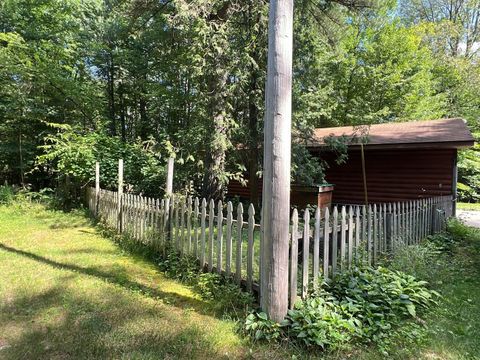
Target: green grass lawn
454,326
67,292
468,206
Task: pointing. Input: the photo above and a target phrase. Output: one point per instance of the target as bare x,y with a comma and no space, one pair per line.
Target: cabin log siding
392,175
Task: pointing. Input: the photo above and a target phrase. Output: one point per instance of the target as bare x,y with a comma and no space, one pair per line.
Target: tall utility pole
276,165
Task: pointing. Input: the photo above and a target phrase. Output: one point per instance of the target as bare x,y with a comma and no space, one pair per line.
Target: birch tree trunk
277,151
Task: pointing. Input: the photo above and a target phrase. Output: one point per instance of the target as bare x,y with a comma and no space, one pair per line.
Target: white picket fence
227,241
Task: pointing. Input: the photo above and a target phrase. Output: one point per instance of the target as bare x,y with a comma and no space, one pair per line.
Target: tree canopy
89,79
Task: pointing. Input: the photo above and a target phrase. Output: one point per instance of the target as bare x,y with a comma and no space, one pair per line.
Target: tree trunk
276,165
111,94
143,118
122,114
253,111
253,146
213,181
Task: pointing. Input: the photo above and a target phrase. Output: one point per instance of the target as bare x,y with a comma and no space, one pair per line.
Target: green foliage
193,73
227,297
259,327
459,231
306,168
183,268
469,173
384,296
45,78
362,304
6,194
322,321
73,154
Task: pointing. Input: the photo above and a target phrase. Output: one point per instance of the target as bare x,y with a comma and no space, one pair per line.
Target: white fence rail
227,240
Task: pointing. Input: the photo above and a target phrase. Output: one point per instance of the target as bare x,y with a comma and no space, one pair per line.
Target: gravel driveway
470,217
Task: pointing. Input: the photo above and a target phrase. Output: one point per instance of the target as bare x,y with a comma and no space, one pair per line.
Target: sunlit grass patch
468,206
66,292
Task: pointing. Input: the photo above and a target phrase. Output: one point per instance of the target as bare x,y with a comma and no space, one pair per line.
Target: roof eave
424,145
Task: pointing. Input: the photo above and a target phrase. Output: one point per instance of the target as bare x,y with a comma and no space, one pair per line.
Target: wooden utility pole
276,166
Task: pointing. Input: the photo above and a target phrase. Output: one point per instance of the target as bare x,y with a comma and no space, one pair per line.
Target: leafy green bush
183,268
458,230
381,297
223,292
224,295
363,304
74,154
260,327
6,194
322,320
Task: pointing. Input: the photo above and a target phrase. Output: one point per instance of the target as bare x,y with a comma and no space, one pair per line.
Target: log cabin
401,161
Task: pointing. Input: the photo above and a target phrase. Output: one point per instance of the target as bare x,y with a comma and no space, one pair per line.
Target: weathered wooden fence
228,240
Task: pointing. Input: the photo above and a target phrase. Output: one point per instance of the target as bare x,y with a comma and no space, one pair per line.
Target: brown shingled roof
452,133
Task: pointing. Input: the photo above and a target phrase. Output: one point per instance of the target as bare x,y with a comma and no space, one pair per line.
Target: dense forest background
82,80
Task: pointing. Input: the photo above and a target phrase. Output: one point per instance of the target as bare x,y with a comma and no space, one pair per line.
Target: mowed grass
67,292
454,326
468,206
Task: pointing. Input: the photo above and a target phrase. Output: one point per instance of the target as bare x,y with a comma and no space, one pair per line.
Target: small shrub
224,295
259,327
183,268
364,304
7,194
458,230
381,293
322,321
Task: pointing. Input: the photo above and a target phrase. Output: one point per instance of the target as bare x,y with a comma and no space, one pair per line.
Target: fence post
389,228
120,195
97,187
169,184
434,218
168,196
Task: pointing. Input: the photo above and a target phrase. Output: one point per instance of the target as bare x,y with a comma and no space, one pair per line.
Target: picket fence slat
316,246
343,236
202,232
294,259
228,259
238,264
196,213
326,243
251,229
305,252
219,236
350,236
334,241
211,234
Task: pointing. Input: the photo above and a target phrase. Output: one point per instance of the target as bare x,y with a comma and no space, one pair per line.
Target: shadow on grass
60,323
117,278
